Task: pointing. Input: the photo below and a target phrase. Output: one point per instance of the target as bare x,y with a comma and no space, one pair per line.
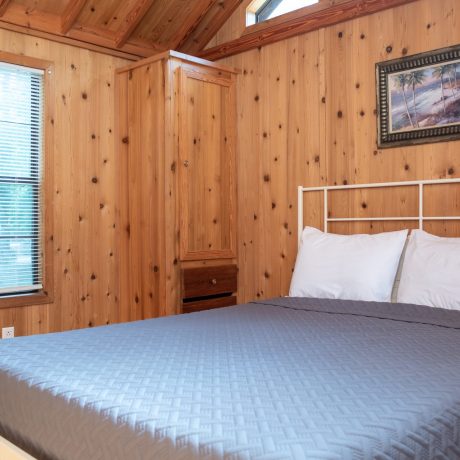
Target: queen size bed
290,378
286,378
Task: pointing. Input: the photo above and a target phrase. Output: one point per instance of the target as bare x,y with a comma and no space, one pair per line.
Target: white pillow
431,271
356,267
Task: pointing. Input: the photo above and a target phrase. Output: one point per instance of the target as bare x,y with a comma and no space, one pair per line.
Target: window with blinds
21,120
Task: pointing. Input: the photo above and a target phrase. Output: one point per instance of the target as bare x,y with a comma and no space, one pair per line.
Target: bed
289,378
286,378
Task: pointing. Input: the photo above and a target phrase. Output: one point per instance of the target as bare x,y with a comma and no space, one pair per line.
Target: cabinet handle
186,163
214,281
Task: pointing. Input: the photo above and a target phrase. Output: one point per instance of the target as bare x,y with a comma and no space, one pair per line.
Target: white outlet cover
7,332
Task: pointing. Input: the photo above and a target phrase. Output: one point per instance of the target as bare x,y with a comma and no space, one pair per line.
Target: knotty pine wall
306,115
85,221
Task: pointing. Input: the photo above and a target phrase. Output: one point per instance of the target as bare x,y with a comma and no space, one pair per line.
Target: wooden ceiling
127,28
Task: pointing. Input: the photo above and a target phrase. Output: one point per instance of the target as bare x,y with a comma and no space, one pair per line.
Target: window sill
25,300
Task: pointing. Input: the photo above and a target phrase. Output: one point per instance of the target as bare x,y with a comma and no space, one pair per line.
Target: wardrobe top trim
181,56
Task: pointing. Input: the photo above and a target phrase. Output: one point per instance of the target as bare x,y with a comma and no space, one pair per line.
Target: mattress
281,379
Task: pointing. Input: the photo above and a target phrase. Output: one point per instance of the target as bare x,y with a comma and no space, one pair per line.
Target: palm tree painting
416,78
402,81
418,98
425,97
439,72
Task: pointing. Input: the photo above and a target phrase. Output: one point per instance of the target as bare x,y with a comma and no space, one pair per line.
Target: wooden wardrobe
177,194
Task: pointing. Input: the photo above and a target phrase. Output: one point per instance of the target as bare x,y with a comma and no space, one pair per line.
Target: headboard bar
325,189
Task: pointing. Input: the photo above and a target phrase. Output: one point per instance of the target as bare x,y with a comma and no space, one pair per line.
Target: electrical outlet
7,332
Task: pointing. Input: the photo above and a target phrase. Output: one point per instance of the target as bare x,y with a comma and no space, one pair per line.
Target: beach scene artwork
425,97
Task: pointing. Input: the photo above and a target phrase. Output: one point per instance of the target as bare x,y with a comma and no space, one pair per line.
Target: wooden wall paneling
333,105
298,22
363,203
274,158
306,137
370,227
248,177
442,200
121,131
84,105
135,191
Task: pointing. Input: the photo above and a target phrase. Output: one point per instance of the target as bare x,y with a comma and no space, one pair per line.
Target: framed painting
418,98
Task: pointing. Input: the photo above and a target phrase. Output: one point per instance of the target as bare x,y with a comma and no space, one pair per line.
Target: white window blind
21,120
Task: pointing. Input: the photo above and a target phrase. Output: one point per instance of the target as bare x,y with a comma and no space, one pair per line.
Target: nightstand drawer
200,305
208,281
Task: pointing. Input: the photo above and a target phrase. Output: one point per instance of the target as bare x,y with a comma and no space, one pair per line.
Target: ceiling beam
68,41
70,14
209,26
201,9
131,21
3,6
299,23
48,25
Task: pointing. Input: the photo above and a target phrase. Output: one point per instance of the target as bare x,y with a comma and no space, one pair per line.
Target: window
260,11
21,157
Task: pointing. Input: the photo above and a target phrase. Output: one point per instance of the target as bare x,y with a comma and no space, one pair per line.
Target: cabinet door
207,165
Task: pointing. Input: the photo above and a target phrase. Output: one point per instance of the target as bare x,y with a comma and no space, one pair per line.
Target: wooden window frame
46,294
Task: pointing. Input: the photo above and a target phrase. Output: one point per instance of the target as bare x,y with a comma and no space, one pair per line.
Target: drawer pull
214,281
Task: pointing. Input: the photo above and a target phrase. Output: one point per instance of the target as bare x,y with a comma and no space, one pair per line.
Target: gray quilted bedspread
280,379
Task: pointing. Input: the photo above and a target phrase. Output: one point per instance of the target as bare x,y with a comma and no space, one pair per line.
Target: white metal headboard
420,217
